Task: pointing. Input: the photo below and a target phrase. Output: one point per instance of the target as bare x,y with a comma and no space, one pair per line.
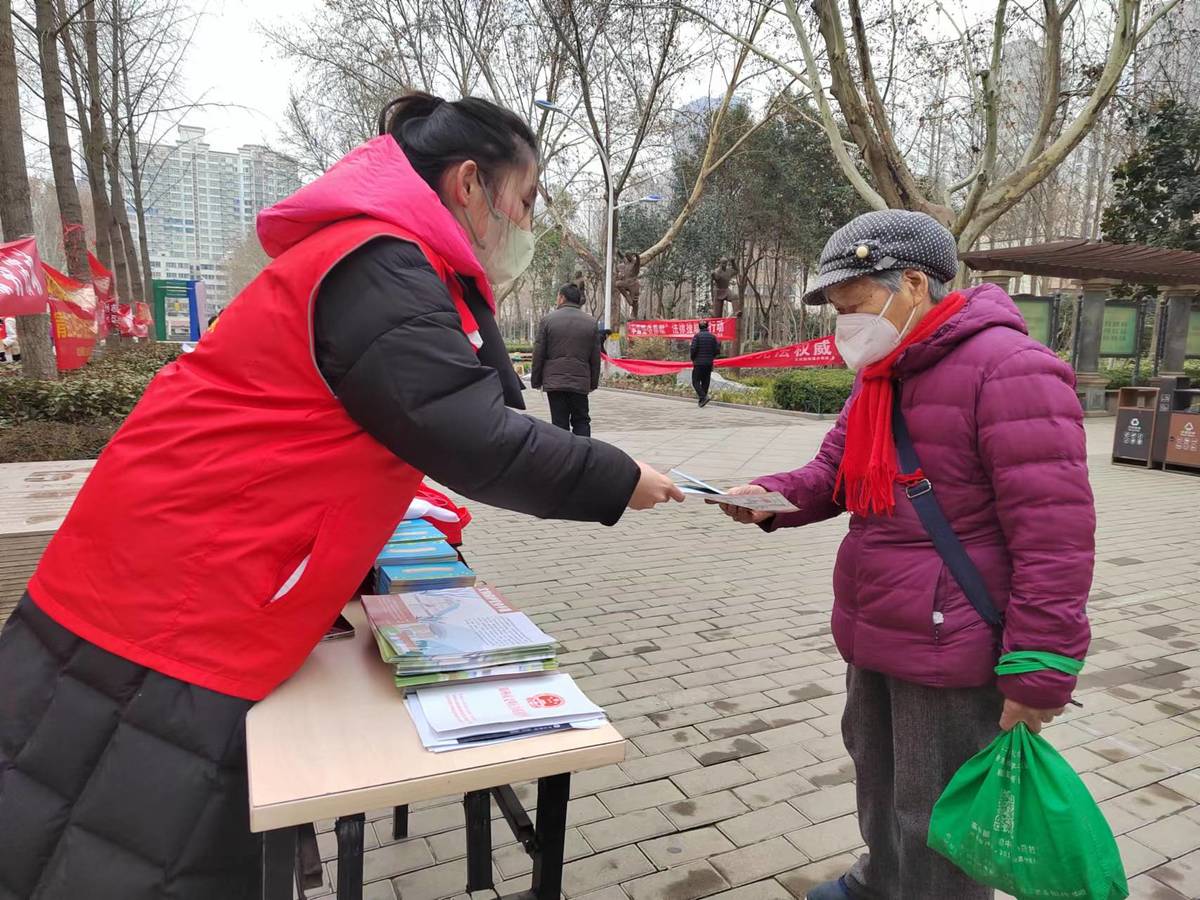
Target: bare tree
16,213
988,191
74,238
244,262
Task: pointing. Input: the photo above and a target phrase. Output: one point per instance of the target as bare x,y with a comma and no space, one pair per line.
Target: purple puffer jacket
999,431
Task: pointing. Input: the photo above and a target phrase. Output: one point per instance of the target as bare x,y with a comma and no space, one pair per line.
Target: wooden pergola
1098,267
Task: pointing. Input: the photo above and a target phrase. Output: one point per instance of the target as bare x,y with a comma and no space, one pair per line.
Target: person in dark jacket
566,361
365,357
705,348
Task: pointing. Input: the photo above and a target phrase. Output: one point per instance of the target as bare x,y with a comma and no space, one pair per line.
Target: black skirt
116,782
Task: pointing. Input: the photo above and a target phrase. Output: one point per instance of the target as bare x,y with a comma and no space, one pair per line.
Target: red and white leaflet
461,710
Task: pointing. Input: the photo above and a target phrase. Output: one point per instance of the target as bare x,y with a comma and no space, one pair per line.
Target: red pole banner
22,285
142,320
819,352
73,314
681,329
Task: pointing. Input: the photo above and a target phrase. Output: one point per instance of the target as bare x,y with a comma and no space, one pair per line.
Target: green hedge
103,391
814,390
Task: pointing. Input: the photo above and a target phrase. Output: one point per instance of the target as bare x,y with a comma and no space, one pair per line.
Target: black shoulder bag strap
945,541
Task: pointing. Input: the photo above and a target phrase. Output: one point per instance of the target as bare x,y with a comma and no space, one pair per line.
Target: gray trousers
907,741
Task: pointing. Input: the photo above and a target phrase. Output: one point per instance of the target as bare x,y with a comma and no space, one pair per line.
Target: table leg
278,863
400,823
478,808
350,856
553,794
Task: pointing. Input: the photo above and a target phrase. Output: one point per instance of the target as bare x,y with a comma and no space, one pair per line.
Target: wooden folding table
336,740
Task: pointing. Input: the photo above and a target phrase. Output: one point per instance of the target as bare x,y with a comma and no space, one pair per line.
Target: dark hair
436,134
704,325
571,293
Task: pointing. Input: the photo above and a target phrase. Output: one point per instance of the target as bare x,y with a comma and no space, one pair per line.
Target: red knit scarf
868,469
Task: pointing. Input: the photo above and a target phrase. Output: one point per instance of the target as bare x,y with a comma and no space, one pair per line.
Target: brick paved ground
709,645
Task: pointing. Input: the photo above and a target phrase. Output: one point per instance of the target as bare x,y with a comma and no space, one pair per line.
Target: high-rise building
201,203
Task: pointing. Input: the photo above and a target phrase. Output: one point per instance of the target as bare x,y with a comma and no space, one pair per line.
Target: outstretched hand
737,513
653,487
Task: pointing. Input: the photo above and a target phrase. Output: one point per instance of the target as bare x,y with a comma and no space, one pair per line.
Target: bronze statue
722,275
626,281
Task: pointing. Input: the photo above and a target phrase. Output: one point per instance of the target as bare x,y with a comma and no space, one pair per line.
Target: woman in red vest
239,505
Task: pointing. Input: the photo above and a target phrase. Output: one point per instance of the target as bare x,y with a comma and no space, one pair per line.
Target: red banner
142,320
681,329
73,311
108,305
820,352
22,286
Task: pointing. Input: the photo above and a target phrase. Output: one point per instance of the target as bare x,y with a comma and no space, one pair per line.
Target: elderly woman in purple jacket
998,431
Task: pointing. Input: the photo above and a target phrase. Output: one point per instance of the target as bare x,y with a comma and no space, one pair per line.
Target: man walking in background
705,348
566,361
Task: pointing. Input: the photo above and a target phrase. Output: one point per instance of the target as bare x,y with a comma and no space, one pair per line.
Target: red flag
143,320
106,297
73,310
820,352
22,285
681,329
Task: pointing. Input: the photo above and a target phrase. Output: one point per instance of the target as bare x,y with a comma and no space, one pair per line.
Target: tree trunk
135,174
91,127
16,211
85,90
74,237
120,213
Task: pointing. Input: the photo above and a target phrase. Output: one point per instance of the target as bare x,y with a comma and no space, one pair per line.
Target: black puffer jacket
116,782
705,348
566,356
389,342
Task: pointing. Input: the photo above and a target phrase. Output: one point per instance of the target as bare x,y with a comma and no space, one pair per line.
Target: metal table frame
544,842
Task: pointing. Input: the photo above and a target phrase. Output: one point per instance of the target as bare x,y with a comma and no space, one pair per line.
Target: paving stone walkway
709,645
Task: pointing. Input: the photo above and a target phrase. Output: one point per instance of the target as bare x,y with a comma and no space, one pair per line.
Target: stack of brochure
453,717
424,576
415,530
456,634
416,552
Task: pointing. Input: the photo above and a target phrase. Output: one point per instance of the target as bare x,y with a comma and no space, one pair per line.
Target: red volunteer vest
237,466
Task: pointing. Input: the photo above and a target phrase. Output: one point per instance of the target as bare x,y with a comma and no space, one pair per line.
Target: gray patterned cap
883,240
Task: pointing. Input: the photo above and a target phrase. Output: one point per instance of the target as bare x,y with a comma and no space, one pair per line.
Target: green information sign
1193,338
1036,311
1119,337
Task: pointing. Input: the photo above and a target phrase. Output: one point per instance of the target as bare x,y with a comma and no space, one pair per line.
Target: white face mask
865,338
507,249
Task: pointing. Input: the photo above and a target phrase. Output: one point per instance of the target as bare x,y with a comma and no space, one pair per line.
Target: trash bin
1174,395
1183,443
1137,411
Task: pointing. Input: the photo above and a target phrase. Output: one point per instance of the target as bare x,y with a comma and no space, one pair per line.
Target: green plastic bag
1017,817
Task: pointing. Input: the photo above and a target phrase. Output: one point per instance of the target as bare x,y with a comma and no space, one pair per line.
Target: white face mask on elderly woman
507,248
865,338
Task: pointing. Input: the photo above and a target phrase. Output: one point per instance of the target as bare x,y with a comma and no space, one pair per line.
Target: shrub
46,441
102,391
1120,375
813,390
649,348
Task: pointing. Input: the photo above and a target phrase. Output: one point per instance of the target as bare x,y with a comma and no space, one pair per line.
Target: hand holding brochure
771,501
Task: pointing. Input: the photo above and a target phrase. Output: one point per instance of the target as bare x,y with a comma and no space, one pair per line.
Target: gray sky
230,62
